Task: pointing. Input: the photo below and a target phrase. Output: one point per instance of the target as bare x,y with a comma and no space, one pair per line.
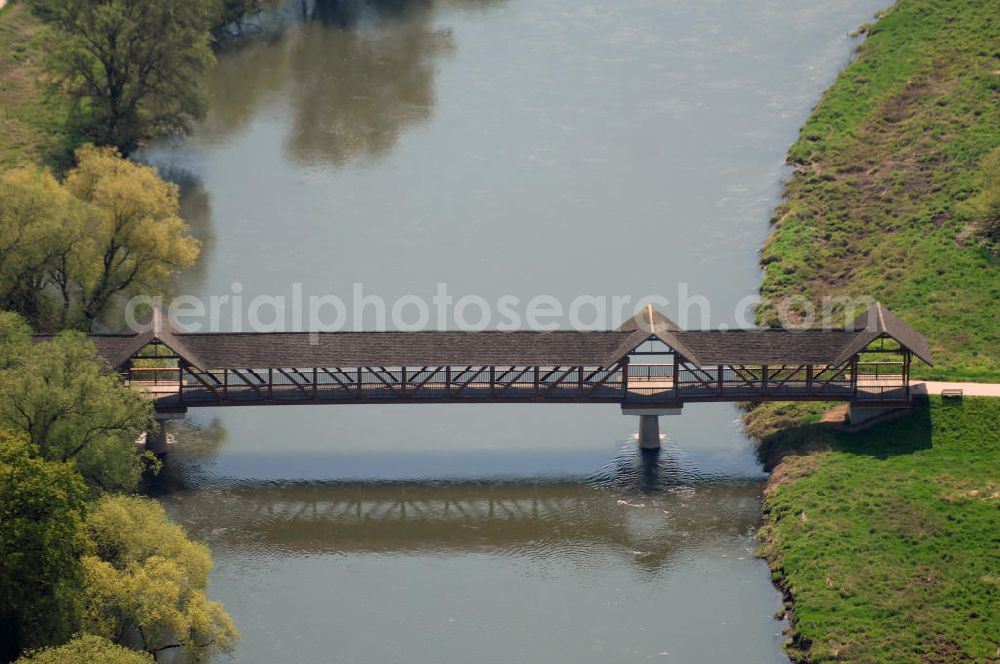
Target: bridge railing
881,371
876,381
638,372
160,376
393,383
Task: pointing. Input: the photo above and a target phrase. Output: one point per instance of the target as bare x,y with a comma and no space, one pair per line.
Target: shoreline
857,201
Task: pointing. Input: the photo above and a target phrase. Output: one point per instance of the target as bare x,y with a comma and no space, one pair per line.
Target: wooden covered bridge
649,366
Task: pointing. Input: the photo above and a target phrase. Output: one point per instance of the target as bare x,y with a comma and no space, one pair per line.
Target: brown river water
524,147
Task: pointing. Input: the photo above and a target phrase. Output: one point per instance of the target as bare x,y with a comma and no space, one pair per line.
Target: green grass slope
889,542
884,169
31,126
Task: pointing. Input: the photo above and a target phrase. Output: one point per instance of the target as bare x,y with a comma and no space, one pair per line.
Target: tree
135,240
15,340
132,67
72,407
67,251
87,649
147,581
42,510
39,224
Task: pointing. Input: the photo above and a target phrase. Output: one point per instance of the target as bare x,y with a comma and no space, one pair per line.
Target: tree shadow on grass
900,435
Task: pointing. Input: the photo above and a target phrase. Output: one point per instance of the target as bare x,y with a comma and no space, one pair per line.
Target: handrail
174,378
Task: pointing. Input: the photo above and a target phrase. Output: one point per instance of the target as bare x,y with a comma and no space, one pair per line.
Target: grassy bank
31,127
887,541
879,203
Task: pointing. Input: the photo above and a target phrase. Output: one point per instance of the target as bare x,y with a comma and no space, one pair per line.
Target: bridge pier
649,423
649,432
156,436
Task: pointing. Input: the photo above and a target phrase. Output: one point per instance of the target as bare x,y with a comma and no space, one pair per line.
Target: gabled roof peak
879,321
650,320
651,323
156,327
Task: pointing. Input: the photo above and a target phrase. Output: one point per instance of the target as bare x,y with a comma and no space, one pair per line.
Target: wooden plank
611,372
248,383
550,386
211,388
429,377
294,382
472,378
514,380
338,380
391,384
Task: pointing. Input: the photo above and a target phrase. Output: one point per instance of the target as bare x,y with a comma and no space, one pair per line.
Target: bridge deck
234,389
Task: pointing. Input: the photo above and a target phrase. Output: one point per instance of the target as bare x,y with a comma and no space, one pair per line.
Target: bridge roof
437,348
249,350
767,346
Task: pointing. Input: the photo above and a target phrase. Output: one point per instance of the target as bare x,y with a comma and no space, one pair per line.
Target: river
500,147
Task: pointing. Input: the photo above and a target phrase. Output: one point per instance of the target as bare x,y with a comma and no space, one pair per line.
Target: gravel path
968,389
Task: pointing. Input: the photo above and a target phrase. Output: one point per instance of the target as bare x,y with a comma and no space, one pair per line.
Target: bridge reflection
567,519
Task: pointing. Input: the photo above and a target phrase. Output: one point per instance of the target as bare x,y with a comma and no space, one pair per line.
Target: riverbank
31,130
884,540
886,167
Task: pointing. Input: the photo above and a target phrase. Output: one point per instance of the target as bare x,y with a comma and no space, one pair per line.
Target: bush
87,649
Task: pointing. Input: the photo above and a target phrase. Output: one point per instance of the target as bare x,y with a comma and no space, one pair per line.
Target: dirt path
968,389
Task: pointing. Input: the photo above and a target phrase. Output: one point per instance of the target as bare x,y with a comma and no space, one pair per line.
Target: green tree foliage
136,239
70,405
147,581
39,224
15,340
87,649
132,67
41,539
67,251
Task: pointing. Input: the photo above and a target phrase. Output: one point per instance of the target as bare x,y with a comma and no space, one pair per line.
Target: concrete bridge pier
156,436
649,432
649,424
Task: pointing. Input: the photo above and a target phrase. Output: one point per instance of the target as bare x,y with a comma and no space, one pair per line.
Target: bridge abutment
861,414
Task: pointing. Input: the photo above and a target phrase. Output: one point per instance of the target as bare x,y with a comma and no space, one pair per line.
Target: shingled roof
771,346
225,350
353,349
